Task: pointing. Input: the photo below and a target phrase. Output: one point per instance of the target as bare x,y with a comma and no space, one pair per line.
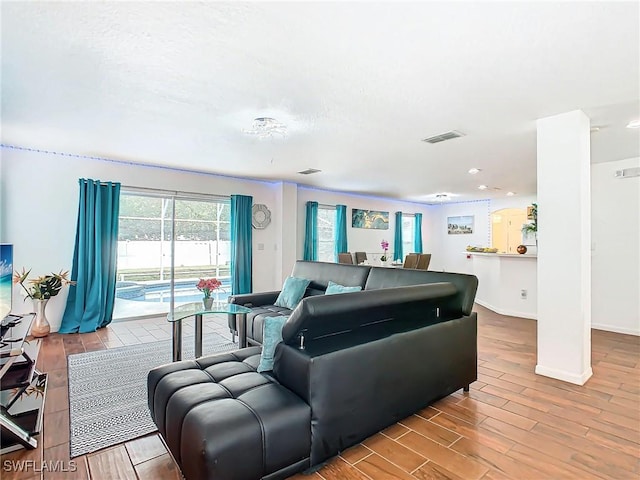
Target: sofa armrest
255,299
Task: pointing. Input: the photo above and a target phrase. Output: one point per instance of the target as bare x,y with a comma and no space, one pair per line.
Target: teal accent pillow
334,288
271,336
292,292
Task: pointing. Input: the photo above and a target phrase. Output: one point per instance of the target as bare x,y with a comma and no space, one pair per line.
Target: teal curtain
90,301
417,233
340,232
397,238
311,232
241,246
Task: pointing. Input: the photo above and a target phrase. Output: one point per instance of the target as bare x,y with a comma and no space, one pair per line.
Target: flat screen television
6,273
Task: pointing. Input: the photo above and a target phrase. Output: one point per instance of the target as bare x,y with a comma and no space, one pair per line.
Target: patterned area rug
108,390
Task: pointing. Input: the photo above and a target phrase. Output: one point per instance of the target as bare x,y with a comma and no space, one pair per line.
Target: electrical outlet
261,246
523,294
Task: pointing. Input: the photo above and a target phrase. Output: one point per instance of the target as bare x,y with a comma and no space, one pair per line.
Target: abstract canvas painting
369,219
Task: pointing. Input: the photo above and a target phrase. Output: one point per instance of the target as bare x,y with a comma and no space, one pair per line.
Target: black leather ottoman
222,420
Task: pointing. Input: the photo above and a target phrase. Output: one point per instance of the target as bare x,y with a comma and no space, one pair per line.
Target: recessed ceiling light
510,194
482,187
473,171
634,124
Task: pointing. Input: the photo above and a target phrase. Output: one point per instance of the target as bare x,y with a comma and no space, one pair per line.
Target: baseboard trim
576,379
613,328
510,313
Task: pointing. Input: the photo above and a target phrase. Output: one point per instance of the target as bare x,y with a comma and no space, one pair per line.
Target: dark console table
22,387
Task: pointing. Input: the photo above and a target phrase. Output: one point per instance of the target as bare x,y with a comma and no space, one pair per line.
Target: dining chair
361,257
424,259
345,258
411,261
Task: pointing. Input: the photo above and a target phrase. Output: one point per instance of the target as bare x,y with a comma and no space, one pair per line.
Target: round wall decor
261,216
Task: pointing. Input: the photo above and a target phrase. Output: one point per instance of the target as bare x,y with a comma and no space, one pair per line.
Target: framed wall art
369,219
460,225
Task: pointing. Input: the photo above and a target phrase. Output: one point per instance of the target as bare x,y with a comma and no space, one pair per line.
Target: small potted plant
207,286
385,247
532,228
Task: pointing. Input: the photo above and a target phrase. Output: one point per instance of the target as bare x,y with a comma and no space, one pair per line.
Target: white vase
40,326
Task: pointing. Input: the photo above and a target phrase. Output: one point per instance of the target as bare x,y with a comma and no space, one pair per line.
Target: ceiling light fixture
267,127
439,197
634,124
482,187
309,171
510,194
473,171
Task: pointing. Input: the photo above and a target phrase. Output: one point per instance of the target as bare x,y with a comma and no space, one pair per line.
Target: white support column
564,247
287,224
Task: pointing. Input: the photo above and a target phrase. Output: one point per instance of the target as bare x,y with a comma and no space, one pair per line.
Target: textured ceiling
358,85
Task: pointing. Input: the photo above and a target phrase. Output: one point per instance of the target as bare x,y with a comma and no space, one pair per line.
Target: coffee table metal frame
197,310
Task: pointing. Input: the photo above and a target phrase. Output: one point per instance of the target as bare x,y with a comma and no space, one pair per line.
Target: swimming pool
160,291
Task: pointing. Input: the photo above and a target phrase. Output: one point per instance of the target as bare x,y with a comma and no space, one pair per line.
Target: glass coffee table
197,309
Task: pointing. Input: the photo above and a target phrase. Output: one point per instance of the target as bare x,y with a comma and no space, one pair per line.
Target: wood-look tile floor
513,424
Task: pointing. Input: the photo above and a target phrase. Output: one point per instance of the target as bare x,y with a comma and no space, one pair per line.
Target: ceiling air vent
628,172
444,136
309,171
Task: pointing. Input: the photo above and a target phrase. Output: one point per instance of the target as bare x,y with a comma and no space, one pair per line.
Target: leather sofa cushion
320,273
222,419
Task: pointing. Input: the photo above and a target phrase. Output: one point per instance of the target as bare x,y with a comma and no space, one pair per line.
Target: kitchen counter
507,283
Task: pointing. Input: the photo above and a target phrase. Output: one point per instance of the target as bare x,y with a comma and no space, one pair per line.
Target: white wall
363,239
615,256
40,203
516,201
450,249
39,195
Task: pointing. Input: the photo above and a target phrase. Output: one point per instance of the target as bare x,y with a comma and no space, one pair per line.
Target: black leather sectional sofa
349,366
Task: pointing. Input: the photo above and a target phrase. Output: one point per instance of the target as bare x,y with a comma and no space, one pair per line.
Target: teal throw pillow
292,292
271,336
334,288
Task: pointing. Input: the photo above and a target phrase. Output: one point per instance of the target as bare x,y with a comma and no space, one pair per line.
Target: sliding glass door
166,243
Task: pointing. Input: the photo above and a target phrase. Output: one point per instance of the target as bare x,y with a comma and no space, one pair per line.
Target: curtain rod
175,193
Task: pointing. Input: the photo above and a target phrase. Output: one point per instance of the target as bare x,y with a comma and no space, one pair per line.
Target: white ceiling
358,85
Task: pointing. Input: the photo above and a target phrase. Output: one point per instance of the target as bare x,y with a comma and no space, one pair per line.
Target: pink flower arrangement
208,285
385,246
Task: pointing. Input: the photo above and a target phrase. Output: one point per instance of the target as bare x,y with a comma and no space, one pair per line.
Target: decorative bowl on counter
481,249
